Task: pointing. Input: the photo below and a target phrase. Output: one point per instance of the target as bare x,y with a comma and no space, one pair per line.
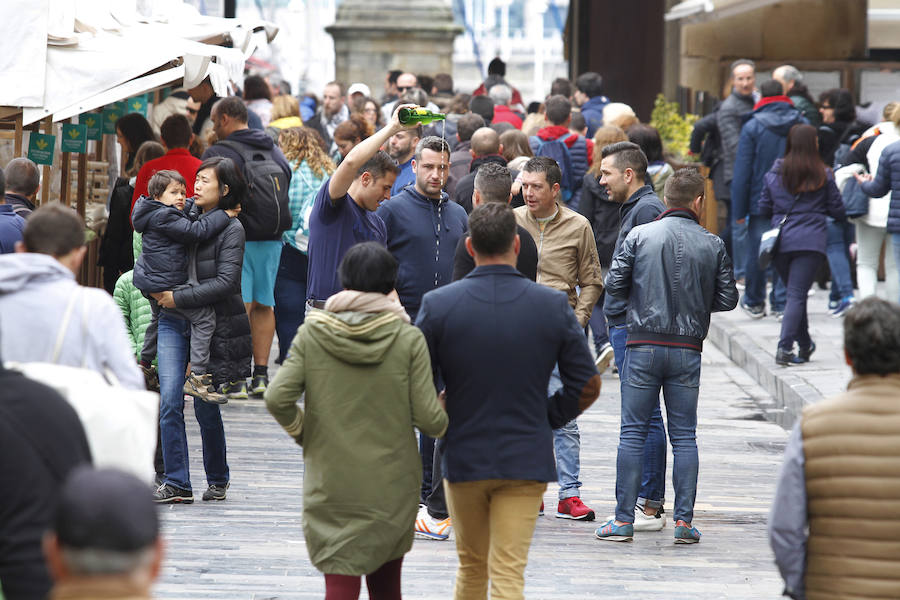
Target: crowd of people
408,273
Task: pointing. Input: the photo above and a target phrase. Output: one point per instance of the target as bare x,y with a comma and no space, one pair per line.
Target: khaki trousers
493,521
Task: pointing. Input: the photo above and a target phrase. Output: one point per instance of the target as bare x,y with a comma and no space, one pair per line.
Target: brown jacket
851,447
567,257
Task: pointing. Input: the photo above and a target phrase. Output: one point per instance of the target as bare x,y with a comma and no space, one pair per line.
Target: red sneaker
574,508
541,510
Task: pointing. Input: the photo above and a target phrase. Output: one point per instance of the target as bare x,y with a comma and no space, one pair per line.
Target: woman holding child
219,186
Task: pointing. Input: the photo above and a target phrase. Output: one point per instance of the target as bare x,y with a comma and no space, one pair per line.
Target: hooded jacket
36,291
672,273
592,110
367,381
422,234
165,233
135,310
762,142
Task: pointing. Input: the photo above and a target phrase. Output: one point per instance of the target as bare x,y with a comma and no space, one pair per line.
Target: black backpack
266,213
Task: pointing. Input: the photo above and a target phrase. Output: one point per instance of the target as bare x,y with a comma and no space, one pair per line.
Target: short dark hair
841,100
22,176
493,181
468,124
561,87
545,165
578,123
492,227
228,174
2,183
233,107
771,87
443,82
393,75
497,67
176,132
53,229
683,187
647,137
628,155
484,106
433,143
368,267
161,180
590,84
256,88
340,85
379,165
872,337
557,109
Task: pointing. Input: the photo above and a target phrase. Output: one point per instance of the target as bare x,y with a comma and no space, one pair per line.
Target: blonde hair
302,144
606,135
895,115
619,114
285,106
533,123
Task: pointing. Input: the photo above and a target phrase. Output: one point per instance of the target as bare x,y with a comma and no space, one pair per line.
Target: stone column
373,37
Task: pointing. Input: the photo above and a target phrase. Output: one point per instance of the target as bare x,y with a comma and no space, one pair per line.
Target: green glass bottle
420,115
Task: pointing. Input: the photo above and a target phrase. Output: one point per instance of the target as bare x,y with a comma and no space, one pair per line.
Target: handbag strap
64,325
790,210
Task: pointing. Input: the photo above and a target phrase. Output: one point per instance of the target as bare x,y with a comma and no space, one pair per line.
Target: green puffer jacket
136,310
368,384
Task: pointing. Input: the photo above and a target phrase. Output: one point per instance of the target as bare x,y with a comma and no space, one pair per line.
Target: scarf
366,302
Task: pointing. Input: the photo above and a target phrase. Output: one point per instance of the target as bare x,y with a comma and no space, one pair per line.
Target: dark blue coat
422,234
483,332
166,230
762,142
887,179
592,111
804,228
11,228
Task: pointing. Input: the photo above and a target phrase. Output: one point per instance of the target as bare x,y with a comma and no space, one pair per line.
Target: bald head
485,141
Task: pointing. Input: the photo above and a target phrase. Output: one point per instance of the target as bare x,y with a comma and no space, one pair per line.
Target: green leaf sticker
74,138
137,104
110,116
93,122
40,148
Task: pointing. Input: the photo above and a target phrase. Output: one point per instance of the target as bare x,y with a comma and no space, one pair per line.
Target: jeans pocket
639,366
689,374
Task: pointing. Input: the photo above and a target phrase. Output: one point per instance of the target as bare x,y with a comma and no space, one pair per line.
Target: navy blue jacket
887,179
422,234
592,111
163,262
642,207
482,333
804,229
762,142
11,228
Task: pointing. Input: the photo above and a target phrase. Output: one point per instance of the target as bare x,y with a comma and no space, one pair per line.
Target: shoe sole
753,315
238,396
586,517
216,498
615,538
258,392
686,541
434,537
176,500
603,361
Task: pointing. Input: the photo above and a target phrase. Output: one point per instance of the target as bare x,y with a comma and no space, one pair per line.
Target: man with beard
401,148
334,111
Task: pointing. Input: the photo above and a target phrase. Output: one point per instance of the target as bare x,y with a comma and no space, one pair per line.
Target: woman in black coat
219,186
803,188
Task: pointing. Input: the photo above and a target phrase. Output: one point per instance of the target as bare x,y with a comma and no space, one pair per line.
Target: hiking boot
804,353
573,508
611,532
604,357
169,494
786,359
685,534
429,528
151,378
200,386
754,312
258,385
215,492
235,390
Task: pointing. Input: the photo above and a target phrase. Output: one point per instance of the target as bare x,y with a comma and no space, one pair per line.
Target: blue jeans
755,290
173,343
290,297
653,480
597,324
840,236
739,248
567,443
647,370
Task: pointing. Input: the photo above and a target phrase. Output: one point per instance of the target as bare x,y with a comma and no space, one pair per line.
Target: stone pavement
751,343
251,545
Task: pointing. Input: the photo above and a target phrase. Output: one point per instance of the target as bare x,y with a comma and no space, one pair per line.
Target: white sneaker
431,529
645,522
604,358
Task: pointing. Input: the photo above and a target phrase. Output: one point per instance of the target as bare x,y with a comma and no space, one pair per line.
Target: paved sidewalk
251,545
751,343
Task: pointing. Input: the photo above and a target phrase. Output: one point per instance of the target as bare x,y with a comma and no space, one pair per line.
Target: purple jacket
805,226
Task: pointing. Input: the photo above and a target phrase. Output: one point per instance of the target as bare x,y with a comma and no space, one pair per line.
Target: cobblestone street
251,546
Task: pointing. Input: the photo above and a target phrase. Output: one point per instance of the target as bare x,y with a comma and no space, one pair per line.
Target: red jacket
505,115
176,159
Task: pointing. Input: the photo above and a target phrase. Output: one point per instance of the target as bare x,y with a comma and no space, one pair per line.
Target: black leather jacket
673,273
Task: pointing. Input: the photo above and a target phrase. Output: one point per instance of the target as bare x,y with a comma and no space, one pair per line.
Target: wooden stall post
64,176
45,172
81,197
20,135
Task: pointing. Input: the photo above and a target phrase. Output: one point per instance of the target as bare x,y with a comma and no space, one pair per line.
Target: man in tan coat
840,470
567,261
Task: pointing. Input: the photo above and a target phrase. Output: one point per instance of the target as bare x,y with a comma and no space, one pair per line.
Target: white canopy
66,57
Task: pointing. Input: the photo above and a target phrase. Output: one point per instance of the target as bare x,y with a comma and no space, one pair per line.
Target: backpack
558,151
266,213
